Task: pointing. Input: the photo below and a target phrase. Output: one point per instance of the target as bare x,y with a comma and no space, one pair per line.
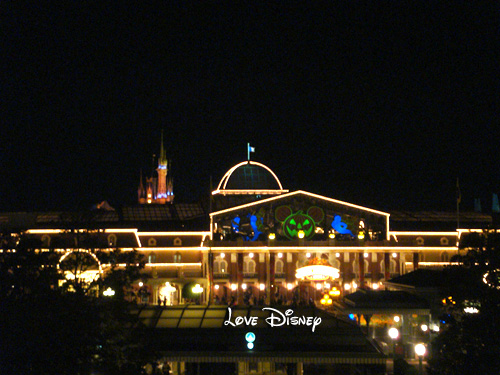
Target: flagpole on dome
459,199
249,150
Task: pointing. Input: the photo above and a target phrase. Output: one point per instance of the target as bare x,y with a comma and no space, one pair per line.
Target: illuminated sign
317,273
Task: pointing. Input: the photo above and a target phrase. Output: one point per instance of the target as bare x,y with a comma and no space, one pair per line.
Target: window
152,242
420,241
335,263
279,266
112,240
355,266
248,266
177,257
253,366
45,241
445,257
177,242
152,258
220,265
444,241
392,266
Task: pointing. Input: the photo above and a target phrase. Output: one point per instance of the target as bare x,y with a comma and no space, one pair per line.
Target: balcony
221,275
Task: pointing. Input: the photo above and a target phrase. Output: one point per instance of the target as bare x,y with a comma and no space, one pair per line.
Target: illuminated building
160,189
256,237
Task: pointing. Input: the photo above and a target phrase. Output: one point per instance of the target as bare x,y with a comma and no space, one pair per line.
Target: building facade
249,248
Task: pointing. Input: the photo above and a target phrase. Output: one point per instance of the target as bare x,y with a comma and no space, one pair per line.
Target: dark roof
166,217
384,298
421,278
438,220
194,330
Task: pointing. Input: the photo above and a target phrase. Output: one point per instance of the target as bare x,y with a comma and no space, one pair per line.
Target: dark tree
470,342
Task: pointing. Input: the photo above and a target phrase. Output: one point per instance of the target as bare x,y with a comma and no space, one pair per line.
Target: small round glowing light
233,287
301,234
289,286
365,255
216,286
393,333
396,318
250,345
262,287
250,255
420,350
347,287
272,236
280,255
394,255
424,327
327,285
337,255
361,235
243,286
197,289
332,236
375,286
352,317
109,292
222,255
141,284
318,286
308,255
354,285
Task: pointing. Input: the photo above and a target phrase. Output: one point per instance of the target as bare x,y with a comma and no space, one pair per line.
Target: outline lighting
304,193
317,273
221,188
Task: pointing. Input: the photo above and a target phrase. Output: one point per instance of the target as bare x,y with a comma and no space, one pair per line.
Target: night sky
382,104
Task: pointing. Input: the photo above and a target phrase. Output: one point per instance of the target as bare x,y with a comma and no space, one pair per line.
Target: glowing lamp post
394,334
420,352
197,289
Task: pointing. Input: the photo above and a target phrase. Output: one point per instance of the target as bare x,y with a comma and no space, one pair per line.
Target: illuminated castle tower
159,190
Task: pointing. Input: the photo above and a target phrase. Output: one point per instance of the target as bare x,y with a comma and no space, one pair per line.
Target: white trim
228,174
304,193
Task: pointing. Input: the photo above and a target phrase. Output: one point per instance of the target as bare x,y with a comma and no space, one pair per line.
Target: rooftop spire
162,160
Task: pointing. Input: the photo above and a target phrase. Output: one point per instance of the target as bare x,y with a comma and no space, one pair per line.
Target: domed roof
249,177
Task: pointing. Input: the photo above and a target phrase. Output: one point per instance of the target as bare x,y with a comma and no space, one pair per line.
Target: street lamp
420,351
394,334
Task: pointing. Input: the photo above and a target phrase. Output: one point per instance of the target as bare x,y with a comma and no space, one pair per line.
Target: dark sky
378,103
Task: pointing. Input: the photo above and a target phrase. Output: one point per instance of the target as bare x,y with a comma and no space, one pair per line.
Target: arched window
444,241
45,241
220,265
177,257
420,241
279,266
335,263
112,240
248,265
177,242
152,242
392,266
152,258
445,257
355,266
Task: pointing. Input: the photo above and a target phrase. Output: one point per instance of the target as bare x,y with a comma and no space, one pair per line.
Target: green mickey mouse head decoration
299,221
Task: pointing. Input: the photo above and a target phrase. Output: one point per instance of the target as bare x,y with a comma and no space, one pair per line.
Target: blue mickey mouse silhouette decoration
255,223
339,226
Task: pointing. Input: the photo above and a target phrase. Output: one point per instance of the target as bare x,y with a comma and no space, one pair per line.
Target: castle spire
162,160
